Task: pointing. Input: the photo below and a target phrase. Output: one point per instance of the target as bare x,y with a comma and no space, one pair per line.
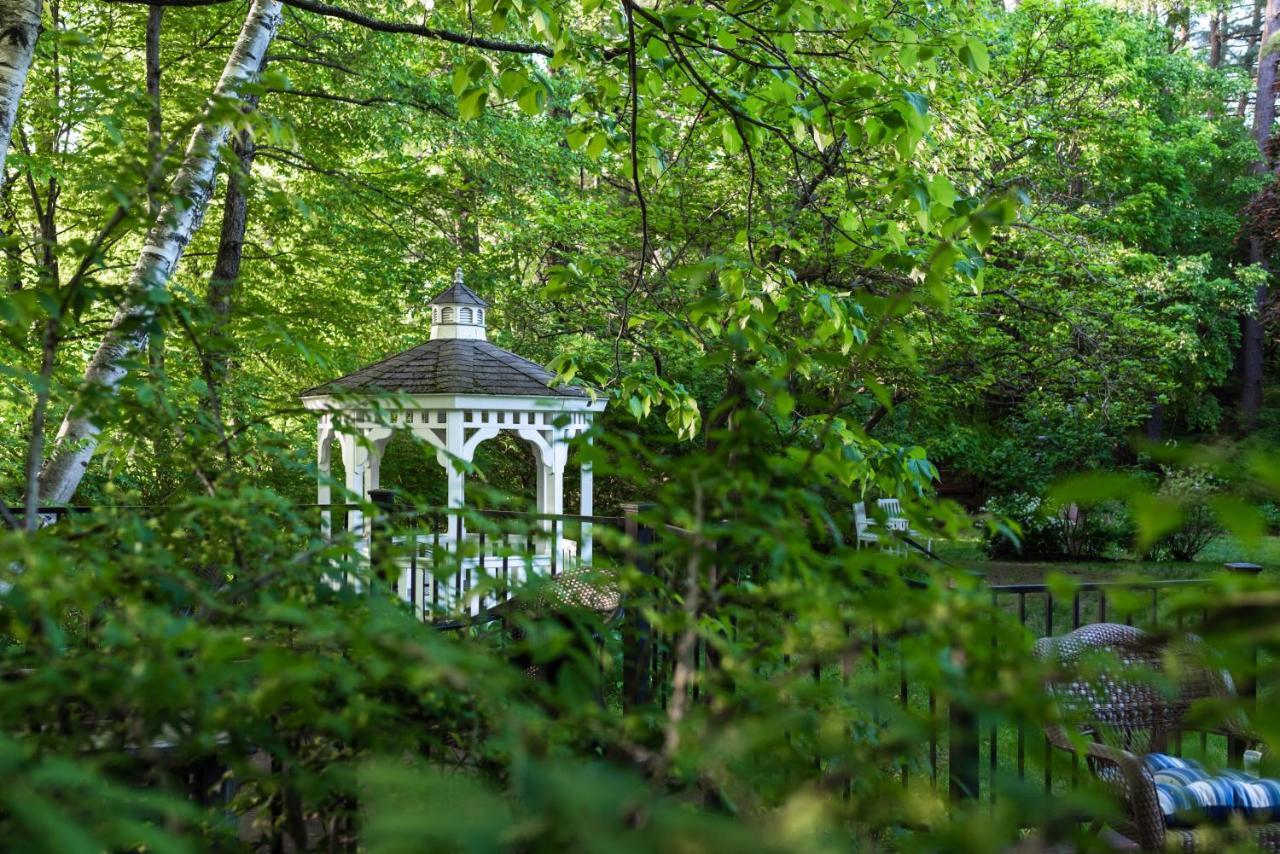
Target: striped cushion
1190,795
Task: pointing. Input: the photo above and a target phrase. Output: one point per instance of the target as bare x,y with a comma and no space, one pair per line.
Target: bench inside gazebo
452,393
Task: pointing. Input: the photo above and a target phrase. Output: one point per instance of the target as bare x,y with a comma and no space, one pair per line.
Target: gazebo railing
451,564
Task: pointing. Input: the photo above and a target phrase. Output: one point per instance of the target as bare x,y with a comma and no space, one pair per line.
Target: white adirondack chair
895,520
863,524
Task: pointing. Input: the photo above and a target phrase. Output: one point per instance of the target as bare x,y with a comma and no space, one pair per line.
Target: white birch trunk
176,222
19,27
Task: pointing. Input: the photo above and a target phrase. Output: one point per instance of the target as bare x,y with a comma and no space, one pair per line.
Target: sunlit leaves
731,138
471,103
973,53
682,413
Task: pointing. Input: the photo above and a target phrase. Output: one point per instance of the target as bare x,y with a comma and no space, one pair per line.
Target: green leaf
918,102
461,80
906,143
1094,487
471,104
596,146
874,129
785,403
981,231
532,99
942,191
1240,518
974,55
730,136
1153,517
511,82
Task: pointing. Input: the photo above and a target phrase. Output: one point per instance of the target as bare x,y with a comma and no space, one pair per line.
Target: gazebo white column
378,439
362,449
324,467
355,457
559,459
585,499
549,454
455,477
555,490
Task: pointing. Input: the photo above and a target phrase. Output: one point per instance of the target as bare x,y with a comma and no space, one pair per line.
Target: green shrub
1051,531
1270,512
1191,489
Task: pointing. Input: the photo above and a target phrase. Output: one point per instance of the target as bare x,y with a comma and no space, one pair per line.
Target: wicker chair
1126,716
582,588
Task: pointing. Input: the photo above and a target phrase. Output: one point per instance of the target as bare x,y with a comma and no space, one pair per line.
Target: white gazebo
454,392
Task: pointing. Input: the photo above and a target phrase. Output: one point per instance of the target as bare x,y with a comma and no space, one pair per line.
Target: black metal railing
969,754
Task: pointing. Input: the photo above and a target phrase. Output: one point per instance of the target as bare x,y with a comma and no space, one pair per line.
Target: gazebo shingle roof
458,294
451,366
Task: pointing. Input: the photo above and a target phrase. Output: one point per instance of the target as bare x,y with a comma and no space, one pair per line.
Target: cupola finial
457,276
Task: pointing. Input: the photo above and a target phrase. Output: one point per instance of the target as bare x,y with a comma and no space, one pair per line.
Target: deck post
964,748
964,743
1246,683
637,634
381,558
586,509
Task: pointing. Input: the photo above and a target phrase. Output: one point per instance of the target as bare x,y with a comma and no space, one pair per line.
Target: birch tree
19,28
177,220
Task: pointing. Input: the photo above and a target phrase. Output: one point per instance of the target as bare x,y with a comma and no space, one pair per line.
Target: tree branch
376,24
373,100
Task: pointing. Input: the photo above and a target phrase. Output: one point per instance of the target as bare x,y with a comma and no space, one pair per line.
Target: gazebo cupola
453,392
458,313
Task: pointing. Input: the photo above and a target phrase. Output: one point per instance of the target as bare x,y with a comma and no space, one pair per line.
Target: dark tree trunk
1217,36
1264,114
226,267
1251,53
1154,428
155,126
1264,108
1252,347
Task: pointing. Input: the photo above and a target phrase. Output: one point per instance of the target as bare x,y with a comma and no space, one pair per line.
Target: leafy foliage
808,251
1191,490
1045,529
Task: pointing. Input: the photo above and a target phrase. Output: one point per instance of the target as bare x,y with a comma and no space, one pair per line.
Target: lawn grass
969,555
